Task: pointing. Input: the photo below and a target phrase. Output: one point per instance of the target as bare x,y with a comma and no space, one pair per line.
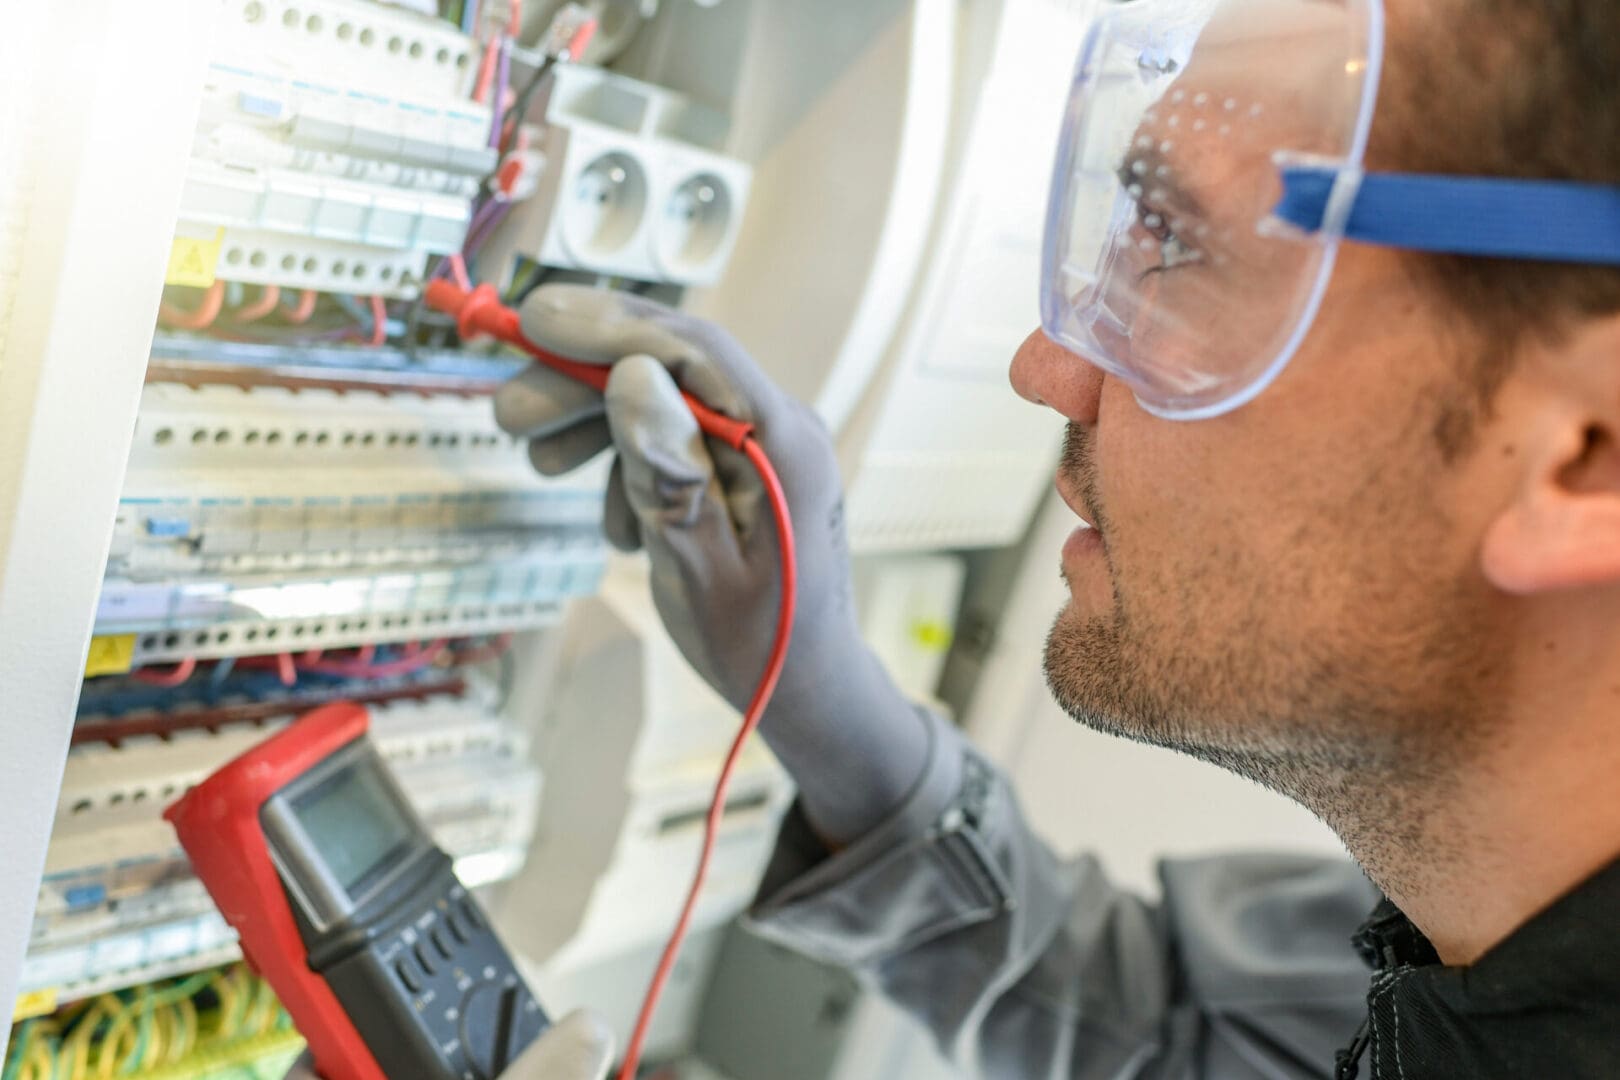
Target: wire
200,318
512,119
175,677
365,669
458,269
756,708
496,648
286,669
222,671
379,322
269,300
486,73
503,79
484,223
481,312
304,309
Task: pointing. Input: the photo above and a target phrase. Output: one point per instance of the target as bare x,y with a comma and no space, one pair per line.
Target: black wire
519,109
520,105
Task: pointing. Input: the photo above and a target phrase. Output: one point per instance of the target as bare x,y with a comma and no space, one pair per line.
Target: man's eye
1173,251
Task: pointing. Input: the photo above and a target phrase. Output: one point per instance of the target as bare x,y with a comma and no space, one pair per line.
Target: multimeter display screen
354,823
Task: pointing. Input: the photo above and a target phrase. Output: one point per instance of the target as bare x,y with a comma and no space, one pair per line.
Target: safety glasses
1210,163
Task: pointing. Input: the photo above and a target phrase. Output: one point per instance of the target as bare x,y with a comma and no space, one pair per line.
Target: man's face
1292,589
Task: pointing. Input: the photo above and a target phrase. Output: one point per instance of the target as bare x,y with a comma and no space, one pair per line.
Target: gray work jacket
1024,967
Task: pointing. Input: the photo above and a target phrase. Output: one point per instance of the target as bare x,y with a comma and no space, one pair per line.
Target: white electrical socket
634,185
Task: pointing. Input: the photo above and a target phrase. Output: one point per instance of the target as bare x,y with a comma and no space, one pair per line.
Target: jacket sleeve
1023,967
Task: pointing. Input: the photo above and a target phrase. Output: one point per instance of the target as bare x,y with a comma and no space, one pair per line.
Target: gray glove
837,722
579,1047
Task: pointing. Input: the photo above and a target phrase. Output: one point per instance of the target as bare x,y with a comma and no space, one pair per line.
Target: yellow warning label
34,1003
193,257
110,654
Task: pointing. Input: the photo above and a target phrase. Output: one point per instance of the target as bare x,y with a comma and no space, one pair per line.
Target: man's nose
1048,374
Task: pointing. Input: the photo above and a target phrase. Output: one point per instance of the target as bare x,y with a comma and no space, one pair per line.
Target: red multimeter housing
348,909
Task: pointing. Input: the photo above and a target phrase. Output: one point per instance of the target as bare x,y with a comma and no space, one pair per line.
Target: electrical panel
337,148
263,518
317,504
118,905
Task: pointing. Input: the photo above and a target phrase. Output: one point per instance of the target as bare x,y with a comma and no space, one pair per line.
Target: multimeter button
475,919
438,943
421,955
457,931
407,976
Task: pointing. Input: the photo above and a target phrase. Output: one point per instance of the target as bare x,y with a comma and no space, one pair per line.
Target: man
1360,545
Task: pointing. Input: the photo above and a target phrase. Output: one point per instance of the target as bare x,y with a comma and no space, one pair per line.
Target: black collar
1544,1003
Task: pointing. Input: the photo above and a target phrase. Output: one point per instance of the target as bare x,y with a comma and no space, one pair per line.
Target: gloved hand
578,1047
837,722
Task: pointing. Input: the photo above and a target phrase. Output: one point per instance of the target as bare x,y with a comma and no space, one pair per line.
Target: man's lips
1072,500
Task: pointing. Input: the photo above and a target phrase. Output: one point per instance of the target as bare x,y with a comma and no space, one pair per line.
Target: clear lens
1159,264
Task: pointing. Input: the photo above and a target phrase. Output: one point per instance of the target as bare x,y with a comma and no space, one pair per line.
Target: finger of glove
539,402
570,448
745,491
597,326
670,482
724,352
577,1047
619,522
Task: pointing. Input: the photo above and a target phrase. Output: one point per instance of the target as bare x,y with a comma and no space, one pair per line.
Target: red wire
269,299
181,672
486,71
306,307
286,670
204,315
366,670
379,322
756,708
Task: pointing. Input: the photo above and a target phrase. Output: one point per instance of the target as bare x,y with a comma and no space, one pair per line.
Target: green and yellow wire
212,1025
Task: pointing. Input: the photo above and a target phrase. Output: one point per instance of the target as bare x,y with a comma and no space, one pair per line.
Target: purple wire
484,224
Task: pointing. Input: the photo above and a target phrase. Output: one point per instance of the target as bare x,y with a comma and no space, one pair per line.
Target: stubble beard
1368,729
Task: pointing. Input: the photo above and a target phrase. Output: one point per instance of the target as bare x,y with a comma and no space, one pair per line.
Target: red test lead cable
481,312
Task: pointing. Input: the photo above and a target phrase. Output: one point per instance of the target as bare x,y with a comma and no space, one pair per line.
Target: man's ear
1561,530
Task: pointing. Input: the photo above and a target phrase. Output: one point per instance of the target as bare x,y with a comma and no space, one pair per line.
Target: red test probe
480,312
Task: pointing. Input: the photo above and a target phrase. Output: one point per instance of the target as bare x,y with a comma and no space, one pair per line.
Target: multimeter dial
491,1022
437,986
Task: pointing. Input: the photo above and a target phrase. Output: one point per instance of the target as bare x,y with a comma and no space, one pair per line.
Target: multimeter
344,904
